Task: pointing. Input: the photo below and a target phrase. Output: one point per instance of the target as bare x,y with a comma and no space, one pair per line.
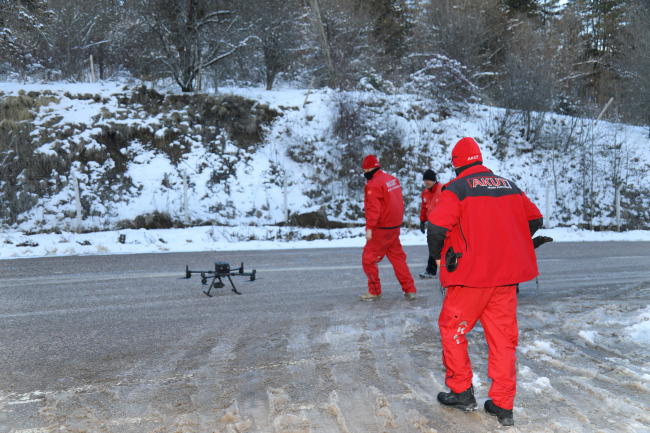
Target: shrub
444,80
149,221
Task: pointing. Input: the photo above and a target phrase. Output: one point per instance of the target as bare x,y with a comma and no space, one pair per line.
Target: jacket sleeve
443,218
423,206
437,190
373,205
534,216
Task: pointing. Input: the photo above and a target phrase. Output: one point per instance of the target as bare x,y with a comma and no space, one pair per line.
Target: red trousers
386,243
496,308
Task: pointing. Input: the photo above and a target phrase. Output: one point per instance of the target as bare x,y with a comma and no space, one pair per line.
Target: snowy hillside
129,151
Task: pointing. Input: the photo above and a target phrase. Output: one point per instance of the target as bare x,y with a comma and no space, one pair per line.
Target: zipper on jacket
463,235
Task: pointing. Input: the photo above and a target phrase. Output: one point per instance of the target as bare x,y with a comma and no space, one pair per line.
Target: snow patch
539,346
278,400
640,331
334,410
588,335
291,423
476,380
420,422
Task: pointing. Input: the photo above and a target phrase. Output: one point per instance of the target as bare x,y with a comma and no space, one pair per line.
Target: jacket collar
470,171
474,170
379,171
459,170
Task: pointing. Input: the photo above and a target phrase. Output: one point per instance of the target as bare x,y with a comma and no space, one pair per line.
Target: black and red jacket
429,200
490,221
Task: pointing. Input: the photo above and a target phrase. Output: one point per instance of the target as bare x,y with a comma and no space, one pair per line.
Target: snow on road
14,244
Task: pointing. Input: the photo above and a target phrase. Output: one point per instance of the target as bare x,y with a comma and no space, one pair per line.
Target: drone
221,270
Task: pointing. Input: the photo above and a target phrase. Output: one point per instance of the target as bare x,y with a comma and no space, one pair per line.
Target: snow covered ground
118,343
218,238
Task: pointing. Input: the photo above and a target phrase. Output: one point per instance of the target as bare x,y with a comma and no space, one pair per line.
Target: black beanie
430,175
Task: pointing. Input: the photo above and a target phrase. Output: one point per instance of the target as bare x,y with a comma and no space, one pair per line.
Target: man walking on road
384,207
483,226
429,199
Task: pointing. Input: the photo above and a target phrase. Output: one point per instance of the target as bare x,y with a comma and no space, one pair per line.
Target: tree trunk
323,39
271,63
270,78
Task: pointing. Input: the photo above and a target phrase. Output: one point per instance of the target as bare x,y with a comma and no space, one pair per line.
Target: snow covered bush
443,80
403,134
129,151
358,131
122,148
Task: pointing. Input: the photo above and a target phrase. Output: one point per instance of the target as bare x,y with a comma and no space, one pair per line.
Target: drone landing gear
218,284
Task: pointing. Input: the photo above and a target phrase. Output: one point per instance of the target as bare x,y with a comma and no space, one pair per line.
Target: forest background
550,67
569,57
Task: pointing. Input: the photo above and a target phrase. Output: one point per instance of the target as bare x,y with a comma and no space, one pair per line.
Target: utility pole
593,160
618,207
77,199
286,206
187,212
548,205
323,40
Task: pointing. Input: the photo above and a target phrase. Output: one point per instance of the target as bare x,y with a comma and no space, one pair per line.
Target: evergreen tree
391,25
521,6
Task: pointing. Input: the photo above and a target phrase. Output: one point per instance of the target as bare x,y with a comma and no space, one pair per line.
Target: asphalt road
121,343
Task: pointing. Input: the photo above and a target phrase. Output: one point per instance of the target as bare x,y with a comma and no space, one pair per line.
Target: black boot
503,415
464,401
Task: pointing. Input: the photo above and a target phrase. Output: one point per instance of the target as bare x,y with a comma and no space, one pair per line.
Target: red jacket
490,221
384,204
429,199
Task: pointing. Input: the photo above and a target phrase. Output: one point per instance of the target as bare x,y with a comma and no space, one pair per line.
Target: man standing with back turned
384,207
483,226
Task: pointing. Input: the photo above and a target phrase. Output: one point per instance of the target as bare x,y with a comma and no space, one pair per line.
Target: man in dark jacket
483,226
384,207
429,199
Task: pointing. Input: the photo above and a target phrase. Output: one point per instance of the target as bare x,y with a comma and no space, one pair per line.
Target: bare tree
527,81
634,63
472,32
279,26
80,29
189,35
23,24
348,28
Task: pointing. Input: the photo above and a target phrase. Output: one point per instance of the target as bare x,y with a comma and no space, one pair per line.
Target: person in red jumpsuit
429,199
482,226
384,207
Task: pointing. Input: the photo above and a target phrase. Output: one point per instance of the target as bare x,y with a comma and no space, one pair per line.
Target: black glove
423,226
541,240
451,259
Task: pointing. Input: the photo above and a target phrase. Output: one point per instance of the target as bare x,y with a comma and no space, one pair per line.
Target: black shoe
464,401
503,415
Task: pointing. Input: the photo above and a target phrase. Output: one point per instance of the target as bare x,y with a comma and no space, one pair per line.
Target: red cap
370,162
465,152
